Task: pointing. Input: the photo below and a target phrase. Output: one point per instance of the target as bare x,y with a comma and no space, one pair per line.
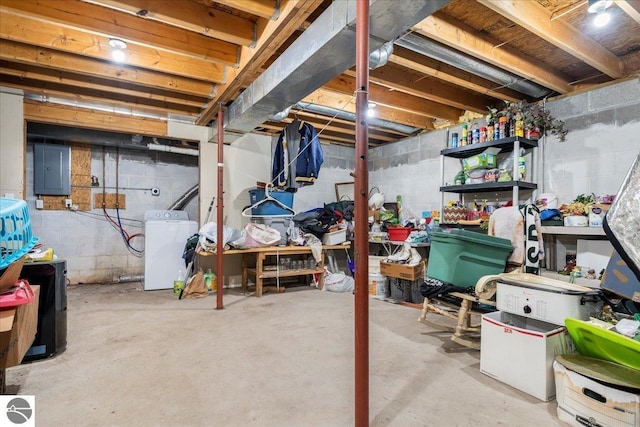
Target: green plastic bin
461,257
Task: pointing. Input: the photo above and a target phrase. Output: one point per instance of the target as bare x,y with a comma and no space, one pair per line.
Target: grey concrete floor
138,358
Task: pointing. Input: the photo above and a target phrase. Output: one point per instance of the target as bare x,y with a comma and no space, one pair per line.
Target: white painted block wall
601,145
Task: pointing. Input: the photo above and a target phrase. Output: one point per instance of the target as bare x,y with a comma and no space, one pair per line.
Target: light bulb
118,55
371,112
601,19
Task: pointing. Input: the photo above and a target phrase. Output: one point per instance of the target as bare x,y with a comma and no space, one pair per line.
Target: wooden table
261,255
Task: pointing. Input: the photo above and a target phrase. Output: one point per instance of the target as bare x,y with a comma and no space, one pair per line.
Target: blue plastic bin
270,207
15,231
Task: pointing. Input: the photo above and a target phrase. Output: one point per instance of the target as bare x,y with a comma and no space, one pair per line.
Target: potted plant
538,120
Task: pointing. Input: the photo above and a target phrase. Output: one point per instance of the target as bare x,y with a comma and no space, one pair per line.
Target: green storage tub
461,257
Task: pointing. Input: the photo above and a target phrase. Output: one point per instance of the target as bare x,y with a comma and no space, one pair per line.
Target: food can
454,140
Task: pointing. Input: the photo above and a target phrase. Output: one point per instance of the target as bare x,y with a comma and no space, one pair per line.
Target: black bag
317,222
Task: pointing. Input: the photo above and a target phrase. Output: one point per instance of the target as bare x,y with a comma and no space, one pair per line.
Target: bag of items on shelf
317,221
257,236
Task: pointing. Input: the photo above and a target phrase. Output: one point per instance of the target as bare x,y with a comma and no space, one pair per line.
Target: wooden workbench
261,255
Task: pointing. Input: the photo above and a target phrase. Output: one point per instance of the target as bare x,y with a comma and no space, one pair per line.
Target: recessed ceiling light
118,55
596,6
601,19
117,44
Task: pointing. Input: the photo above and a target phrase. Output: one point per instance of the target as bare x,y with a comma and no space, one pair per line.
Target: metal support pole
220,213
361,226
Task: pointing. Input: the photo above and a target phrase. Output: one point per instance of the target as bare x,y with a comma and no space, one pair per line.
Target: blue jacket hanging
299,141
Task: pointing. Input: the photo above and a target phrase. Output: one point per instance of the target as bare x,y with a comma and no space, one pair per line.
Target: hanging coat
297,156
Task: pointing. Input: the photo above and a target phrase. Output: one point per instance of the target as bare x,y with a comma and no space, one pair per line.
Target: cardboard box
519,351
585,402
401,271
18,328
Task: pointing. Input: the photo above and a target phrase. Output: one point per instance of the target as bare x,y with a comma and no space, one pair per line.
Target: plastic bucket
378,286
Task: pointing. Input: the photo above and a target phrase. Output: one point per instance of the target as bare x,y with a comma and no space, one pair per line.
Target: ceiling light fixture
601,19
371,109
118,49
597,6
117,44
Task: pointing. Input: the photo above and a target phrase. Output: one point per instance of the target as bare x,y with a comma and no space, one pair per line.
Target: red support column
220,212
361,230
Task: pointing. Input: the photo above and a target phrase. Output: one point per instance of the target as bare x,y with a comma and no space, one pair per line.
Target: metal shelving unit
511,144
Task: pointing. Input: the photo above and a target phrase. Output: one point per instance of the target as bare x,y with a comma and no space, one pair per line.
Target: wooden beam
631,8
407,81
30,55
109,101
130,28
21,29
537,19
262,8
272,34
106,86
347,103
465,39
432,68
308,116
92,119
398,100
189,16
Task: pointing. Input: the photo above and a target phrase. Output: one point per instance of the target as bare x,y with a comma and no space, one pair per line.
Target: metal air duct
325,50
445,54
345,115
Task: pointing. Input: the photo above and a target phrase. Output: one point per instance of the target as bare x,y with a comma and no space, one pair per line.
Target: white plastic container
334,238
378,286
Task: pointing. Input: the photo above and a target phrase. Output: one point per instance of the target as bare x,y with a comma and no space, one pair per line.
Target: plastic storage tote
270,207
461,257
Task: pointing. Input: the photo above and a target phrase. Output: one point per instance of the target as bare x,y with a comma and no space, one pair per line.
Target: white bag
338,282
258,236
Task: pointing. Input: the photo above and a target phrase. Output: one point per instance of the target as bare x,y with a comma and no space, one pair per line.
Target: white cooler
545,299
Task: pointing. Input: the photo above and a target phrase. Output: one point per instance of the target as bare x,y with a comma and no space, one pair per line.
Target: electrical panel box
52,169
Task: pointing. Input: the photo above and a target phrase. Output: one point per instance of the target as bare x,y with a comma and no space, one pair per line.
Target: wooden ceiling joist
467,40
20,29
347,103
262,8
422,64
631,8
189,16
404,102
272,35
96,84
88,17
43,112
537,19
404,81
30,55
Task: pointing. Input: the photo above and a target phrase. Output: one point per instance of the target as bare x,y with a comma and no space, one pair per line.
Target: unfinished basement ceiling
185,59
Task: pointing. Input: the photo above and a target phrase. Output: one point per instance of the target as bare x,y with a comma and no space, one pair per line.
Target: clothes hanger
268,198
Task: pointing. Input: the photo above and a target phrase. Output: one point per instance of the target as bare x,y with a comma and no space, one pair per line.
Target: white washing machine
165,235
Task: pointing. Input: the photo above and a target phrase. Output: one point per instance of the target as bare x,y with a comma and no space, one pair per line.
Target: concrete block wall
95,250
410,168
601,145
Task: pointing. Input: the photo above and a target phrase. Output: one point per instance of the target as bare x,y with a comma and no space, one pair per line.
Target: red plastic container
399,234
